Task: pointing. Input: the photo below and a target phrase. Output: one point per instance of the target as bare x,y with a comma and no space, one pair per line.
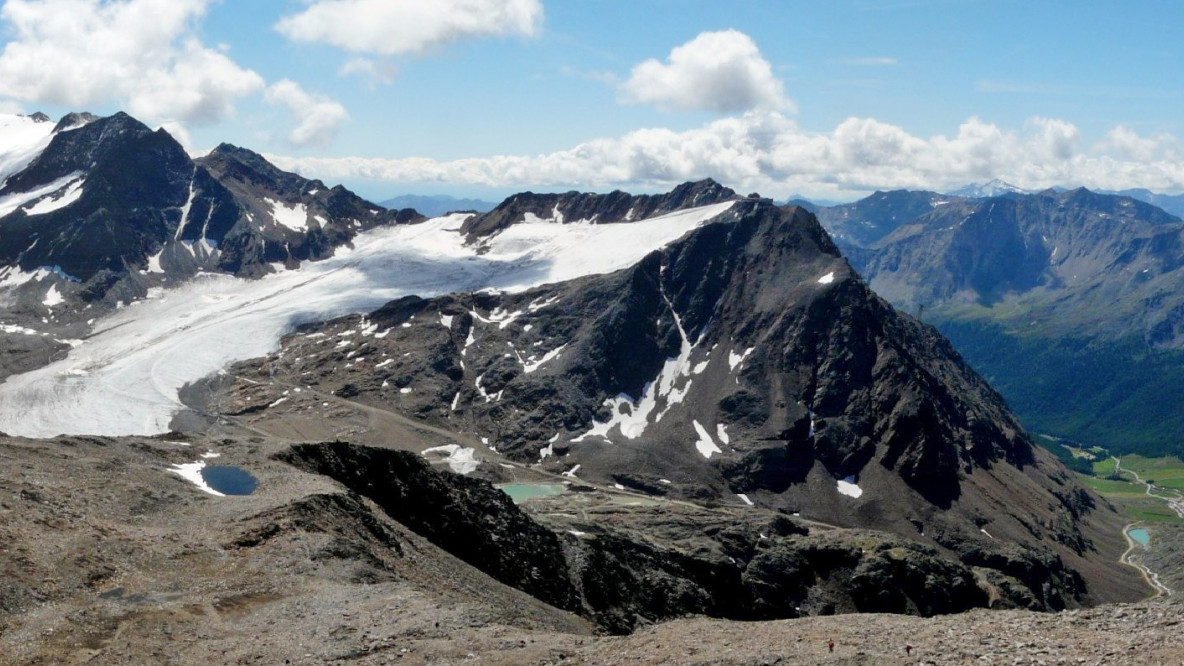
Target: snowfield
124,380
22,139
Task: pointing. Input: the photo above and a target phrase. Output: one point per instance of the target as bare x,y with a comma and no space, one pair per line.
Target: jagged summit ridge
608,208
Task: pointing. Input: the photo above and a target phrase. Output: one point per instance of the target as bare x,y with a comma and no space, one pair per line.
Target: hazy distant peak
993,188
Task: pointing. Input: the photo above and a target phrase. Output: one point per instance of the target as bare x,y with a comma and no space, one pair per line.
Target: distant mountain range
1172,203
808,203
437,205
1071,303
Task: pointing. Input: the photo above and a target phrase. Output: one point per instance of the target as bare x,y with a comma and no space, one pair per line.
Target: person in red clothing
908,650
831,645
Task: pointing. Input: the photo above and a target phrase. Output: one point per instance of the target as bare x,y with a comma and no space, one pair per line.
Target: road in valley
1175,503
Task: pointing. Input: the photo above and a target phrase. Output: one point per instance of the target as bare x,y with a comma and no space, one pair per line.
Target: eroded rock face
469,518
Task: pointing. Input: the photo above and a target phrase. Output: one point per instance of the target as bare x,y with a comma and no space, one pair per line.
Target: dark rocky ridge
469,518
615,206
254,241
762,568
814,380
865,222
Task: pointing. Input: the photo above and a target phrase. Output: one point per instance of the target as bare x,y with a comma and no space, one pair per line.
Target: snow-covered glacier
124,379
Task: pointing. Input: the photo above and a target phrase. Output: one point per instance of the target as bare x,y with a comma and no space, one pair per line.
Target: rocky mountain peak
98,196
993,188
745,363
228,162
107,141
115,208
73,121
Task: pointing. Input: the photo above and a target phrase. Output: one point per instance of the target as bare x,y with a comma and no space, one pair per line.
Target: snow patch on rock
191,472
294,217
706,446
57,200
849,488
460,459
53,297
10,202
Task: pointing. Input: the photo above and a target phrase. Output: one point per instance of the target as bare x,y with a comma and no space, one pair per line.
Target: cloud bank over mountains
152,58
767,151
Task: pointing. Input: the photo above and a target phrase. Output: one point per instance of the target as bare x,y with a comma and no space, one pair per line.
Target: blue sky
486,97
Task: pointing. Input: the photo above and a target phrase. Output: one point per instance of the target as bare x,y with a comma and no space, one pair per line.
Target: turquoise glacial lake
521,492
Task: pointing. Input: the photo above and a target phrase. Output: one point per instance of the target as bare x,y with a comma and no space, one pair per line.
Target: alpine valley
1068,301
252,418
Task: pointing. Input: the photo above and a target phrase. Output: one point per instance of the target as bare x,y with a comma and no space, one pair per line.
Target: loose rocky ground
108,558
1146,633
111,559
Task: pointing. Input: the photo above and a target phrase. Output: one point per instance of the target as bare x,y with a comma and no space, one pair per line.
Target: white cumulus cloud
1125,143
391,27
376,72
317,117
723,72
143,54
768,152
